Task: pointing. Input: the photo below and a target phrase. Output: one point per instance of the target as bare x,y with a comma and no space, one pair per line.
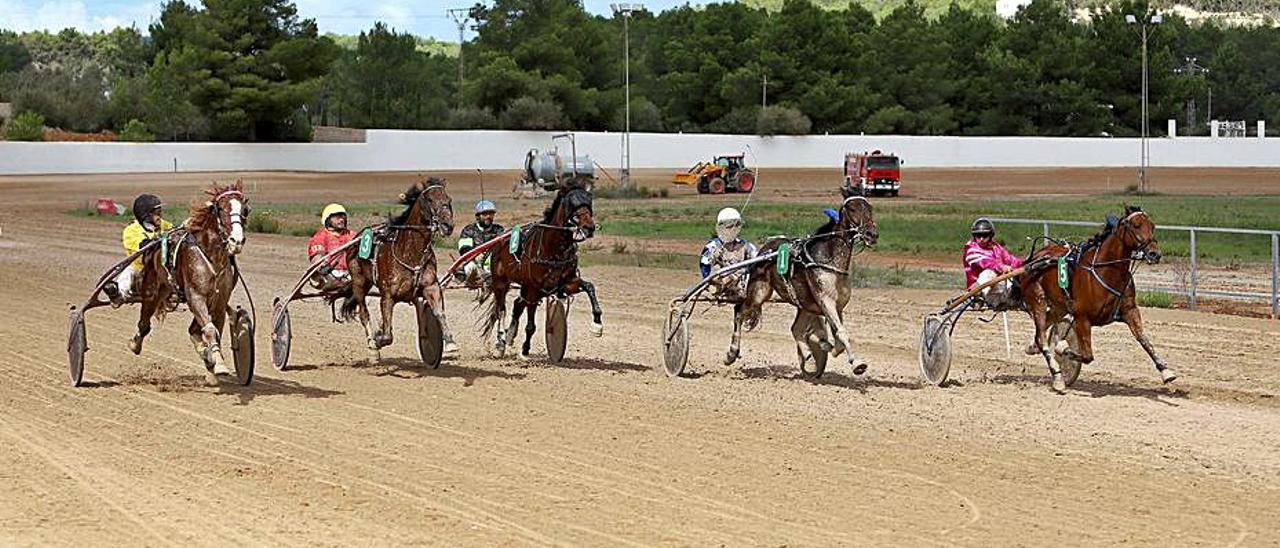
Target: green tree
28,126
386,82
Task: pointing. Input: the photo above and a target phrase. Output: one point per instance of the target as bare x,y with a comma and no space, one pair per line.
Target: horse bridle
1139,252
239,210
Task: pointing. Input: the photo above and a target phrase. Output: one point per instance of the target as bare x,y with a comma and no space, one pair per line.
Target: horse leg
384,336
1083,331
758,291
517,310
597,325
1133,319
144,324
499,296
832,316
434,299
530,327
1040,317
802,333
219,318
202,323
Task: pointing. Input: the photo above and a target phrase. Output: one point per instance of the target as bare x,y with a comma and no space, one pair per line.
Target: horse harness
426,255
1075,256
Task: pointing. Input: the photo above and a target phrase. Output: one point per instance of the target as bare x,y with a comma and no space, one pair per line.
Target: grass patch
942,228
1155,299
633,192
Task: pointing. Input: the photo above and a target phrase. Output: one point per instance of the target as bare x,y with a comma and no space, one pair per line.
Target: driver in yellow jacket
148,224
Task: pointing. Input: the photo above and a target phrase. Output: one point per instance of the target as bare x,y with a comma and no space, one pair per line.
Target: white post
1008,343
1173,128
1213,129
1262,129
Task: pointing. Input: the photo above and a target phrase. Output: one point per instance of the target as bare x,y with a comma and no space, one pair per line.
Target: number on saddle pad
366,244
784,259
1063,278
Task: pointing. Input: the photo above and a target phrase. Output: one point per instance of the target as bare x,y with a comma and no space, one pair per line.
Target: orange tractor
724,174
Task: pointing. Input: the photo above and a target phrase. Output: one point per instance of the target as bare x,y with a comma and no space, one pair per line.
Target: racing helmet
982,227
485,206
143,205
728,224
329,211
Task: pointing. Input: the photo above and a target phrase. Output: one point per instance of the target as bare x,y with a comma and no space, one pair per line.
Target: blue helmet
485,206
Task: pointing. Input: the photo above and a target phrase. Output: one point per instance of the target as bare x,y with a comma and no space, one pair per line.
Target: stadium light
1145,27
625,9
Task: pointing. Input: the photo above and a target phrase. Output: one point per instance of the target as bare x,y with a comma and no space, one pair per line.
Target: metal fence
1192,291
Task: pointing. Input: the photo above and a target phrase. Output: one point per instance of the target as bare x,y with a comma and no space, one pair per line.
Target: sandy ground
604,449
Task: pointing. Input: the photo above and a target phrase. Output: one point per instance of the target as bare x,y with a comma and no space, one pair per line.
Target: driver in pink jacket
985,259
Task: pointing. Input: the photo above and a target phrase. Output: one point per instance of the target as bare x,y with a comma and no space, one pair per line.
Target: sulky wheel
242,345
675,342
557,329
935,349
76,347
281,334
430,338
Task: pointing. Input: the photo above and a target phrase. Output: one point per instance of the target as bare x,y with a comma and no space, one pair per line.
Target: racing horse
404,265
197,262
816,283
1099,291
544,264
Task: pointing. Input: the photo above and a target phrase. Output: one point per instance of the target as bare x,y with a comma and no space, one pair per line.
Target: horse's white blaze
237,227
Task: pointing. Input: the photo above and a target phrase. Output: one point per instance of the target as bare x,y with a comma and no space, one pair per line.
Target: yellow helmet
329,211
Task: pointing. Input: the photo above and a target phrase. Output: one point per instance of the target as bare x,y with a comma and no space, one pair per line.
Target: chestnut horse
546,264
201,267
405,267
817,284
1100,291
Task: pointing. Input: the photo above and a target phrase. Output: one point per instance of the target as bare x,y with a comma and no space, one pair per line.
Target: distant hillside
425,44
1243,12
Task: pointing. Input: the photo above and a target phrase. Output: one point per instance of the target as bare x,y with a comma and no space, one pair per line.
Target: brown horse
404,267
1100,291
817,284
201,268
546,264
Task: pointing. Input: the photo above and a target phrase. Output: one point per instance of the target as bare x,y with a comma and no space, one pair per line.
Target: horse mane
411,195
1109,228
827,228
200,214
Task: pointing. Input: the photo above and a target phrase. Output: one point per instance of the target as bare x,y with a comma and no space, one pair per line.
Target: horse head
572,210
436,205
857,220
1138,235
226,208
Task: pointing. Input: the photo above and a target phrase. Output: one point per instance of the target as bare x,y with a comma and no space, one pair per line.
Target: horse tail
350,305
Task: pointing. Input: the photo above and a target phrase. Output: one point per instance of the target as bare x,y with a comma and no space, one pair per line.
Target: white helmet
728,214
728,224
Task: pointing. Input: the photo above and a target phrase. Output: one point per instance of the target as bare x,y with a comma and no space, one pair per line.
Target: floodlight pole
1145,27
460,17
625,10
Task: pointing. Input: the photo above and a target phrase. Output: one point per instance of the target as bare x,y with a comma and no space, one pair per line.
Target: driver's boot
113,293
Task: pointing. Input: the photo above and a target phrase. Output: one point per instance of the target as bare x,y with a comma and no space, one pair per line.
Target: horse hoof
135,346
730,357
1032,350
597,330
859,367
1167,375
1059,385
210,379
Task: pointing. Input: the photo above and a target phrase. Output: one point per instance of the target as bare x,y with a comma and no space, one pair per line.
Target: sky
422,17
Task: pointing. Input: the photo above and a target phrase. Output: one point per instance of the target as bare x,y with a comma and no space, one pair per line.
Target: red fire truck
870,173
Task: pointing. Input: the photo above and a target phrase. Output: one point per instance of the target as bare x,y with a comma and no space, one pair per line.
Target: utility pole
764,91
460,17
625,10
1191,68
1146,26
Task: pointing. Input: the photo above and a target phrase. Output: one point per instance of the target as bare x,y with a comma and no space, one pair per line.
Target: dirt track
604,449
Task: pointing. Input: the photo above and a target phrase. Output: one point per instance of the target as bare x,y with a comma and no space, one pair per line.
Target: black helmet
142,208
982,227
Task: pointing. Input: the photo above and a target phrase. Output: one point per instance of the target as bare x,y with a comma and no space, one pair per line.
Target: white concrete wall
436,150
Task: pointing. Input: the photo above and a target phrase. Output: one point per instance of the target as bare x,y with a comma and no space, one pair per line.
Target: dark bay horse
404,265
546,264
1100,291
817,284
198,263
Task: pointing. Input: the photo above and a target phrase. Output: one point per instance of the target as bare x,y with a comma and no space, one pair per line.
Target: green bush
778,120
136,132
529,113
1155,299
261,221
28,126
471,118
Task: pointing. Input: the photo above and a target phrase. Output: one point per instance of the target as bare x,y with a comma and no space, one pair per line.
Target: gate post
1046,230
1193,269
1275,276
